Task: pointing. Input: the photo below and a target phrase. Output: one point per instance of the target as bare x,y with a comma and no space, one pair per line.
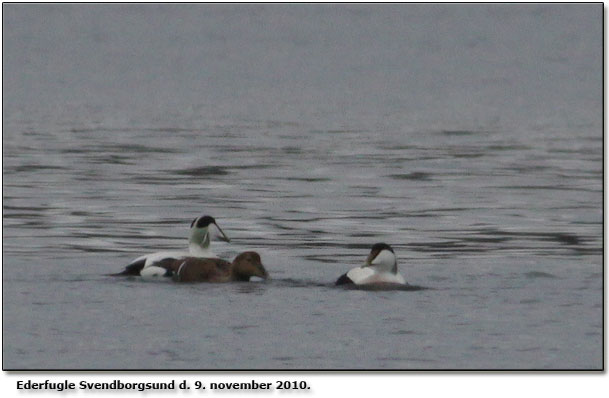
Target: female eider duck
202,230
381,268
195,269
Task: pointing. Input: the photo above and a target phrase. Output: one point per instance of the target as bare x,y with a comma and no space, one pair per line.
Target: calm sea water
469,137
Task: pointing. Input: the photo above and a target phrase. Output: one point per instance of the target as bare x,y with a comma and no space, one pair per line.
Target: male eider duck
215,270
381,268
202,230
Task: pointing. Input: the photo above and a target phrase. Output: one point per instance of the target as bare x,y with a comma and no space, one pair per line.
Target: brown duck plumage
194,269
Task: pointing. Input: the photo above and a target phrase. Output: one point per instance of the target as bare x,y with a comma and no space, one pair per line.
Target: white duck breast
368,275
202,230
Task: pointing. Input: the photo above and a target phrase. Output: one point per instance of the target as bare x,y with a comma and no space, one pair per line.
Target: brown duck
195,269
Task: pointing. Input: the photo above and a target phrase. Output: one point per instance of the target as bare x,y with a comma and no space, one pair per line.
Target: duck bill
370,259
264,275
220,234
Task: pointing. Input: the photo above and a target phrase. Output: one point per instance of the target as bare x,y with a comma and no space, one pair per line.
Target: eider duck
215,270
381,268
202,230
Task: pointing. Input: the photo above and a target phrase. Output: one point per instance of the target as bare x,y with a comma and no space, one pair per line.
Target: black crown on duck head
379,247
203,222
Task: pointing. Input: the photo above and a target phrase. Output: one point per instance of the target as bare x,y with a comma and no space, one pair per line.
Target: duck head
203,229
248,264
382,257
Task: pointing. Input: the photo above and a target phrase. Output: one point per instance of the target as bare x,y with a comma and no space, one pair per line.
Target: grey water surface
469,137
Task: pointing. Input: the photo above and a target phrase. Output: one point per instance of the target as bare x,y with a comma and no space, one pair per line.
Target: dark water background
469,137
